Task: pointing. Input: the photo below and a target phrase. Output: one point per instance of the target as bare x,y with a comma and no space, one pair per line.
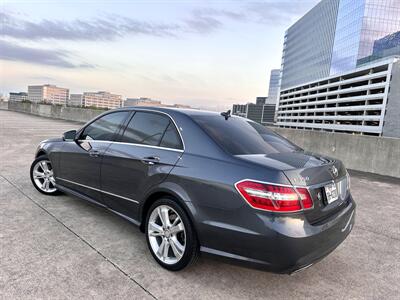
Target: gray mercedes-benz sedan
197,181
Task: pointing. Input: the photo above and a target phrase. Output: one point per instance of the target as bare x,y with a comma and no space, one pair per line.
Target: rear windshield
239,136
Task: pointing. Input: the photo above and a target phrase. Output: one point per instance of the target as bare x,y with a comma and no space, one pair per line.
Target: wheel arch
171,191
40,153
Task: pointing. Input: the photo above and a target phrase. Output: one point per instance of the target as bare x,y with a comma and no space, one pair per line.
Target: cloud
9,51
209,20
199,21
279,12
95,29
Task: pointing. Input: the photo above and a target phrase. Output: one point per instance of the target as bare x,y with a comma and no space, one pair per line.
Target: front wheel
170,235
42,176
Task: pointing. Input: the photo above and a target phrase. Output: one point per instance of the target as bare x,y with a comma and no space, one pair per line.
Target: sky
207,54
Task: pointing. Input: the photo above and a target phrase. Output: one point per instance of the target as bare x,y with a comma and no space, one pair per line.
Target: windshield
239,136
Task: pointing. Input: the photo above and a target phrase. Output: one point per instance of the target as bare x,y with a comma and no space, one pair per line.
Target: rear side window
105,127
238,136
152,129
171,138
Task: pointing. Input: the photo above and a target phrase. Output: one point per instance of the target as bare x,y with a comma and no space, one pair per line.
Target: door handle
150,160
94,153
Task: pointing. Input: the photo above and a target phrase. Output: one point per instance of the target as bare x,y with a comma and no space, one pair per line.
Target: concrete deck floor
62,247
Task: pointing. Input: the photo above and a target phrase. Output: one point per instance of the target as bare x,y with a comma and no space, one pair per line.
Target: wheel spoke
166,248
44,166
37,174
53,182
160,250
177,228
45,184
155,230
177,248
176,221
164,216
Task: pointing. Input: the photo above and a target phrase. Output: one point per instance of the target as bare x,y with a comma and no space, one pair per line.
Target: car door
144,155
80,160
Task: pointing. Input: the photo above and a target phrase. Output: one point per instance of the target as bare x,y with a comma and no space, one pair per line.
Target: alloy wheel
167,235
43,176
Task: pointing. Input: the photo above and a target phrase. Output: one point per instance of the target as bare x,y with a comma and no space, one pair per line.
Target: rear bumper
285,244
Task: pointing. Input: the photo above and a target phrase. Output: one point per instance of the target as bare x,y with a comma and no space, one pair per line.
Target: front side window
152,129
105,127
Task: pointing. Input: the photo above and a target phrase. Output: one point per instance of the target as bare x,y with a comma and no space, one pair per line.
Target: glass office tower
307,47
273,89
366,30
337,36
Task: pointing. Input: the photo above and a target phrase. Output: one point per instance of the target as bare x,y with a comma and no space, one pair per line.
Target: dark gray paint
202,181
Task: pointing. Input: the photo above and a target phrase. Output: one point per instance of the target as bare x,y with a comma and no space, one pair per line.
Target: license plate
331,193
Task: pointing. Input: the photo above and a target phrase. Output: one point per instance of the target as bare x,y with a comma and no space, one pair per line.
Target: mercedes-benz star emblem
335,171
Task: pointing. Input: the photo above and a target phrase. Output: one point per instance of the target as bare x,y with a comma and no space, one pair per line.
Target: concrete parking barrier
373,154
76,114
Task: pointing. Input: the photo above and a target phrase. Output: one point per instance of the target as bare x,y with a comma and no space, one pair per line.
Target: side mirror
69,135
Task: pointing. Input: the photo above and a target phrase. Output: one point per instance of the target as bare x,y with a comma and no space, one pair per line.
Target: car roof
172,110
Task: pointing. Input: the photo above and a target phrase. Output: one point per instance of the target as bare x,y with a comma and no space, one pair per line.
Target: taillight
277,198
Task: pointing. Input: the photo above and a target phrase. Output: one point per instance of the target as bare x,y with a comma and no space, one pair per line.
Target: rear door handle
150,160
94,153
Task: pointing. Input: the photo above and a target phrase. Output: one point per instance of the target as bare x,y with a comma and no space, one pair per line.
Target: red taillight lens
274,197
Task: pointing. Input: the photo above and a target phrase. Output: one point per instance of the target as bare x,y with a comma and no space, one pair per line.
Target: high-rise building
141,102
384,47
260,113
308,44
102,99
261,100
76,100
338,36
48,93
273,90
360,25
18,97
239,110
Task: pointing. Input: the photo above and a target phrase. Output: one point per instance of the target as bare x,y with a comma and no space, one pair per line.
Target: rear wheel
170,235
42,176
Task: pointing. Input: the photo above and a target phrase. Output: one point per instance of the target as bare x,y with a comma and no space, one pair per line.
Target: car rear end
310,217
284,225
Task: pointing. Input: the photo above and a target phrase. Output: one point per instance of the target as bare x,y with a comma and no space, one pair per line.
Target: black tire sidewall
191,250
38,159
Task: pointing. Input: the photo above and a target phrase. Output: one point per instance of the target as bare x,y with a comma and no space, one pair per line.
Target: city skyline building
337,36
76,100
273,88
18,97
308,44
259,112
48,93
261,100
142,101
360,25
102,99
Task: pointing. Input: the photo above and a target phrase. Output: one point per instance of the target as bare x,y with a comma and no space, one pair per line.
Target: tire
39,175
173,237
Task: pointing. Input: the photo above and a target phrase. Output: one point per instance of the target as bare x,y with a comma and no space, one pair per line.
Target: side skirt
88,199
